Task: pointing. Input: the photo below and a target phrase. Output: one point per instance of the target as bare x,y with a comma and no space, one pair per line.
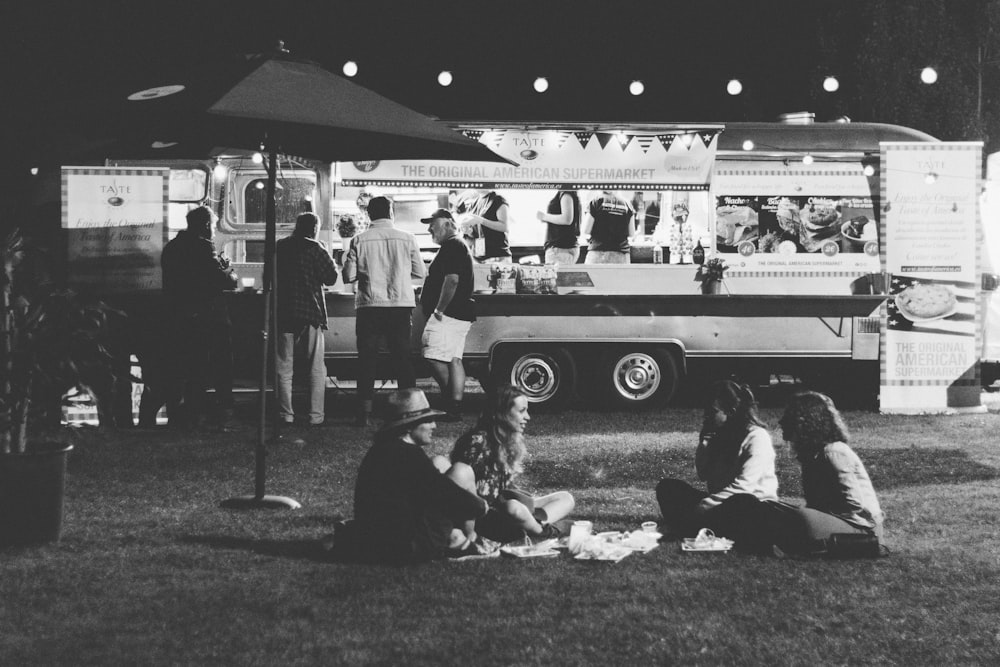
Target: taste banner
932,319
116,222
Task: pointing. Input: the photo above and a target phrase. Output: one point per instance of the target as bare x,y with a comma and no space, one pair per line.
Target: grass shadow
888,468
294,549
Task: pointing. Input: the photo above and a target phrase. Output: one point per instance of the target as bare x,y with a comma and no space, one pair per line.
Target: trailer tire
639,378
546,375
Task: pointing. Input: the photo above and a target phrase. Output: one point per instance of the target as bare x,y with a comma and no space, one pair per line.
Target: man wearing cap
448,308
405,510
384,261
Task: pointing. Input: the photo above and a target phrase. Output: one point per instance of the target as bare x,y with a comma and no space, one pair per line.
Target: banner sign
116,222
931,320
555,159
779,218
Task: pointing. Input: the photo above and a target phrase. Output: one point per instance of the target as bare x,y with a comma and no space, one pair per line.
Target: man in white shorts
448,307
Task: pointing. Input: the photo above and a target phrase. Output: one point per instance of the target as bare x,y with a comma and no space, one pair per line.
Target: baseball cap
440,213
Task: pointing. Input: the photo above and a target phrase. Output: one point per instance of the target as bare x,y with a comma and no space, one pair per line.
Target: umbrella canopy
271,102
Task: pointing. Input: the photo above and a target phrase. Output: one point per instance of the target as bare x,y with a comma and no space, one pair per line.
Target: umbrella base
261,502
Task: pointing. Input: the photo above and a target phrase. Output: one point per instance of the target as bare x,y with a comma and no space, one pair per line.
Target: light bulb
541,84
807,159
34,171
928,75
350,68
257,158
219,171
445,78
636,87
748,145
830,84
869,170
734,87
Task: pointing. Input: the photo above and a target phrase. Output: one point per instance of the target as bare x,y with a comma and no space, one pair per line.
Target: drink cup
578,534
649,526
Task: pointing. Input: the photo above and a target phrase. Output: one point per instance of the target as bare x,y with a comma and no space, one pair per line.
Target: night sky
684,52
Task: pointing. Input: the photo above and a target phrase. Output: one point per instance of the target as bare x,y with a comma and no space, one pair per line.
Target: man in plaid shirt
304,266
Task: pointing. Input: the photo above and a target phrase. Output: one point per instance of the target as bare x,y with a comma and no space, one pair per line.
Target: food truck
793,209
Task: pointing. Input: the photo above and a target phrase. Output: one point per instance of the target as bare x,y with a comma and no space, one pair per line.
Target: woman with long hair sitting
487,459
735,457
841,516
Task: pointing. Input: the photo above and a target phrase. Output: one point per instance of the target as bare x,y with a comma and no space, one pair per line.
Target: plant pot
711,287
32,487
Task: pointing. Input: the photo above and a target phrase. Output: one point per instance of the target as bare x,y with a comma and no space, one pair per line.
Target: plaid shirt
304,266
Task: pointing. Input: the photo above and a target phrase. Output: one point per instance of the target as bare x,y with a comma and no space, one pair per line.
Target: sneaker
549,532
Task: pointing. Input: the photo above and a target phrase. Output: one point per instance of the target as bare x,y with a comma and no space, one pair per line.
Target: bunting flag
561,137
708,137
494,139
603,138
473,134
644,141
583,137
666,140
624,140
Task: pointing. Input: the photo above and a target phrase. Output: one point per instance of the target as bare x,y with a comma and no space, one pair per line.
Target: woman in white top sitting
735,457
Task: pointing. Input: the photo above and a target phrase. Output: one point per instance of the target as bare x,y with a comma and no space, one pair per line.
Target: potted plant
711,274
347,227
51,340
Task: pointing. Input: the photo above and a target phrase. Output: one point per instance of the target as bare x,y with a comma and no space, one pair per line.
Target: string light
636,87
930,178
350,68
807,159
747,145
257,158
831,84
929,75
868,170
445,78
34,171
734,87
541,84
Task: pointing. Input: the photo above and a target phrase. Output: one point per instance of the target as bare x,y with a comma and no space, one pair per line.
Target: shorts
445,340
562,255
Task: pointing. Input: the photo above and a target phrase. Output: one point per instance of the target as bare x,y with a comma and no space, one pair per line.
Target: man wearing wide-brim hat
405,510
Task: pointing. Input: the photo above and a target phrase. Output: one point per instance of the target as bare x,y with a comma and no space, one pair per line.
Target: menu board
789,224
932,315
116,221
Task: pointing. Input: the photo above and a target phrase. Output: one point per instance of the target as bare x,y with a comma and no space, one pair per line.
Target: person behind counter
304,266
609,221
562,220
483,217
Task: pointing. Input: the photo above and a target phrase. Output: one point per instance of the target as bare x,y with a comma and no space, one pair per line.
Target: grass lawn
151,570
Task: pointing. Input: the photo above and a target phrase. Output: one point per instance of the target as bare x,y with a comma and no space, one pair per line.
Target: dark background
684,52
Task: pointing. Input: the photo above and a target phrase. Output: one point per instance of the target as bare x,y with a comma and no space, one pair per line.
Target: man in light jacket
383,261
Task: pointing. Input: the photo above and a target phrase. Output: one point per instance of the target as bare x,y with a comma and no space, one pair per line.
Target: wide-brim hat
407,407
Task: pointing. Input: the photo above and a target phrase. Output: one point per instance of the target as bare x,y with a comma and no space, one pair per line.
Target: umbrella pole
260,499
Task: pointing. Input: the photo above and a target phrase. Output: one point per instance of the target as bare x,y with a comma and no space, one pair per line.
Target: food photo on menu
932,305
790,224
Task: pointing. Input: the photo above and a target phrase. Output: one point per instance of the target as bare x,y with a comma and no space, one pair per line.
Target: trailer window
188,185
293,196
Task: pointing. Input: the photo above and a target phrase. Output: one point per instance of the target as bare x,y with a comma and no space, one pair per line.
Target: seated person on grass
735,457
841,516
405,509
485,461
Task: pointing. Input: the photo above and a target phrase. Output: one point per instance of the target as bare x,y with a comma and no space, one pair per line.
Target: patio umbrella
278,105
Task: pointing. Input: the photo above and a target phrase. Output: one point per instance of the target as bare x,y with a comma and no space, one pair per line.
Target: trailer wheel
640,378
546,376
